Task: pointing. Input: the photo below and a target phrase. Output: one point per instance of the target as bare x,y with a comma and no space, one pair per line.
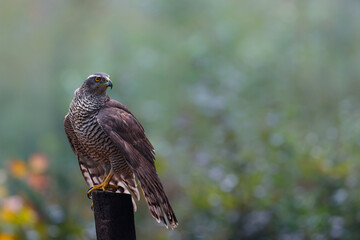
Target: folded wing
129,136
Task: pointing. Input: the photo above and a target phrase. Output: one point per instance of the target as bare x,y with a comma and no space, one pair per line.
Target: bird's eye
97,79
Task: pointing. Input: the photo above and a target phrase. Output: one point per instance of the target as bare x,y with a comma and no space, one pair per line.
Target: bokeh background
253,108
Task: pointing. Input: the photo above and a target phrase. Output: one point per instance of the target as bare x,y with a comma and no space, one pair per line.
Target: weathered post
114,216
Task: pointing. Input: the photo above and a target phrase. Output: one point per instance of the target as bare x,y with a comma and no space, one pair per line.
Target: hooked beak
109,83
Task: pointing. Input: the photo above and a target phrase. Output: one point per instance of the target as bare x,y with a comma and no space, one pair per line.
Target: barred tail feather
156,199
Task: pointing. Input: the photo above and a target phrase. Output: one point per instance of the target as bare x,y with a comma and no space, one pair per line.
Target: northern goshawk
112,148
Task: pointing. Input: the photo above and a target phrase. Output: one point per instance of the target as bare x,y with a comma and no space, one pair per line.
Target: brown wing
129,136
130,129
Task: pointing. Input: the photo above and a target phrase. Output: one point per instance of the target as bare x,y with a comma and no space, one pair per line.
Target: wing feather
129,128
129,136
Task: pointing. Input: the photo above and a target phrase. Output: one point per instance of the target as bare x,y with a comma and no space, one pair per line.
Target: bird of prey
112,148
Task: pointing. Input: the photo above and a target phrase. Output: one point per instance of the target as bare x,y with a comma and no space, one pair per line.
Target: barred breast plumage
83,113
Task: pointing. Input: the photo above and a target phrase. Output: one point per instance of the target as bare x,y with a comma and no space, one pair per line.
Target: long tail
155,196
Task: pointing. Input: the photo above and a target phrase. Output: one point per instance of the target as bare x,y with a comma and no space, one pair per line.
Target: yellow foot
101,187
104,185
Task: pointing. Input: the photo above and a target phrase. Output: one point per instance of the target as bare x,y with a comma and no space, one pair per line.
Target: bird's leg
104,185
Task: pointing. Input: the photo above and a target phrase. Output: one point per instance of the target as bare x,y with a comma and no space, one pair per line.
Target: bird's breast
89,131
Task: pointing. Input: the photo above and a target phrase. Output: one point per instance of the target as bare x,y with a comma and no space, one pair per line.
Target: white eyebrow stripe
92,75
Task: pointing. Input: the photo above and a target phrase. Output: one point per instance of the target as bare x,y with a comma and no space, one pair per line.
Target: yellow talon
104,185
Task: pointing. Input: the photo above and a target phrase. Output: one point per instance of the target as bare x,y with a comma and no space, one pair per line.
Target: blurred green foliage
252,106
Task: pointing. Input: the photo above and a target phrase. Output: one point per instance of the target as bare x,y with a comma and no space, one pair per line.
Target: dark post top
114,216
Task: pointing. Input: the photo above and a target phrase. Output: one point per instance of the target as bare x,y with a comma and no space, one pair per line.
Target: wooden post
114,216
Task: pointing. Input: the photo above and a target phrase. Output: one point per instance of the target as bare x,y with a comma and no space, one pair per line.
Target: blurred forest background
253,108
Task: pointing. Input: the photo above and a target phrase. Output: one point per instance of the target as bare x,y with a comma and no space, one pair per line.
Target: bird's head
97,83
